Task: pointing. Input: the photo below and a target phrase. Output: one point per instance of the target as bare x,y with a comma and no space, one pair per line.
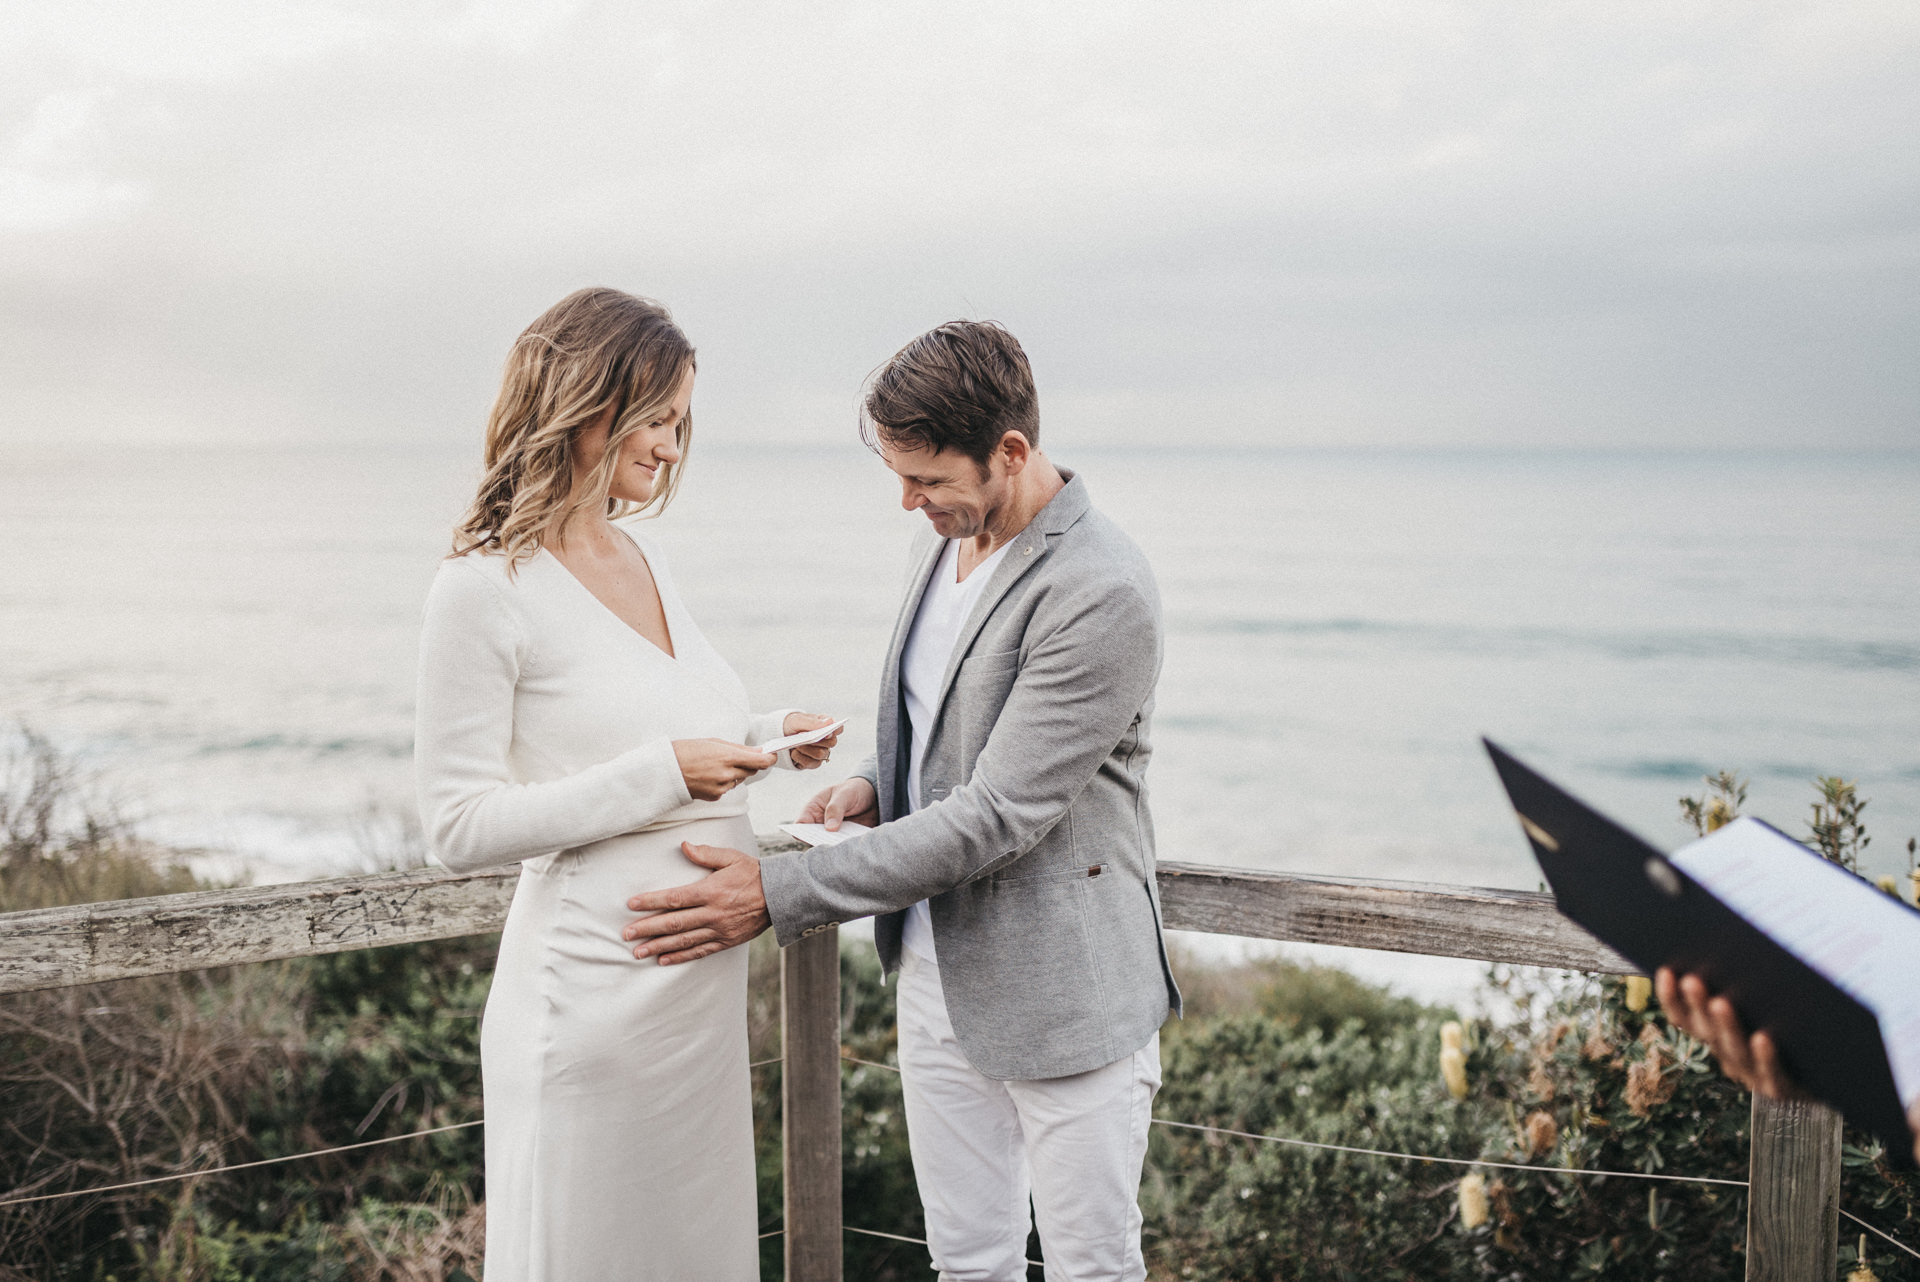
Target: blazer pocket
1082,873
980,690
981,664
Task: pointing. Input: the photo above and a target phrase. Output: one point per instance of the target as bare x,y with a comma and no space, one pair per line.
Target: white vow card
802,739
821,835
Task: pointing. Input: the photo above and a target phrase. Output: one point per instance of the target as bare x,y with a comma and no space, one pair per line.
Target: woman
572,717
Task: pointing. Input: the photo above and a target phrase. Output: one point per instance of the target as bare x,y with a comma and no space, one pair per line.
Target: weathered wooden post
810,1104
1793,1198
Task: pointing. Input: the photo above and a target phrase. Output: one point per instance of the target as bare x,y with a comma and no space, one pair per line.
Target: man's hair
961,387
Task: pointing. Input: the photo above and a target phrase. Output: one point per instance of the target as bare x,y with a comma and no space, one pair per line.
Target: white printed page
1847,929
821,835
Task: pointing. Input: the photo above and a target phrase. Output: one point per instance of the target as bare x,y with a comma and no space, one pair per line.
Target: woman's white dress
619,1128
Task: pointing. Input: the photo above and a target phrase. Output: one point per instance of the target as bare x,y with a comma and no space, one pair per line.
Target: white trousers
982,1148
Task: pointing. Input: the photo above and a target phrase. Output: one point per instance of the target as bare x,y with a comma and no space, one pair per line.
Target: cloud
47,176
1414,223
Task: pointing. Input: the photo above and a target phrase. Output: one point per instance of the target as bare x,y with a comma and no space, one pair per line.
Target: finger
1693,997
813,812
693,895
1770,1079
1730,1041
666,924
750,760
693,954
711,856
836,811
1668,992
673,944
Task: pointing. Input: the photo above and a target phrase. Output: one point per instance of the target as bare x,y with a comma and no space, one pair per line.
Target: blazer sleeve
1080,686
473,813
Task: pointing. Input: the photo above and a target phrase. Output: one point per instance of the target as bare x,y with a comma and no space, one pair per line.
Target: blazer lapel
893,739
1028,549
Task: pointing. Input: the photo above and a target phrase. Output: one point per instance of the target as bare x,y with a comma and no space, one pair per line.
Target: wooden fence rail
1792,1229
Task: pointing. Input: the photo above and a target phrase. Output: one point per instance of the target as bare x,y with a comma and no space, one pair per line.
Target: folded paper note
802,739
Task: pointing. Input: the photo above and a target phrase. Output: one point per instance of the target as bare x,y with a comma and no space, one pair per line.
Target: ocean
225,637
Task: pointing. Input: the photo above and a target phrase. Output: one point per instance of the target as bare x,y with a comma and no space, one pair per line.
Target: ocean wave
350,745
1784,650
1694,771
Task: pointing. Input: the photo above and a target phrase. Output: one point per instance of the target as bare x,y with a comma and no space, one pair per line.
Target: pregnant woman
572,717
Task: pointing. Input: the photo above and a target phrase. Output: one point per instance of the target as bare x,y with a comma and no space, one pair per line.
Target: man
1011,870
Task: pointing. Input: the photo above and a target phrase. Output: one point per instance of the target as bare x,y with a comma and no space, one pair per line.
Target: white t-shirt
944,608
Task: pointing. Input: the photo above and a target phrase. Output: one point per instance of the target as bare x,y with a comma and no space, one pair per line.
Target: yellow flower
1639,988
1719,814
1453,1060
1888,884
1473,1202
1862,1273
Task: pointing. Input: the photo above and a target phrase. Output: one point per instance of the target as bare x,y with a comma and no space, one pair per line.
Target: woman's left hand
810,756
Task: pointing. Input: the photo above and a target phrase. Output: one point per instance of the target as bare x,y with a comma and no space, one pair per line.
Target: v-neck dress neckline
660,594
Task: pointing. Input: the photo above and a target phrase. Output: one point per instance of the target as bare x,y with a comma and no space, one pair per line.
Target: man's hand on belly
722,910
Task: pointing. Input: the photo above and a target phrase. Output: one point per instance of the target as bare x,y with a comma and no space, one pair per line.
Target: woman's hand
810,756
852,800
714,767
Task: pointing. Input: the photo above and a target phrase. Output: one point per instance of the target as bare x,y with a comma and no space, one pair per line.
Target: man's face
948,487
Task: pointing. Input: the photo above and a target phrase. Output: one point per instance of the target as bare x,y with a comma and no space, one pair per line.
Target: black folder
1638,903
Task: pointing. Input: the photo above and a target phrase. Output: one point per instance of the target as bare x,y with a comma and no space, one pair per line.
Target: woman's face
642,453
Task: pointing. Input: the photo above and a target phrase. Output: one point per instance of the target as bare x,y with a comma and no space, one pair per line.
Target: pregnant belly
577,905
573,1014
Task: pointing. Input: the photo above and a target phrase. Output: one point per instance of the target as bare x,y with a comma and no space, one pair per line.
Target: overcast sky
1339,223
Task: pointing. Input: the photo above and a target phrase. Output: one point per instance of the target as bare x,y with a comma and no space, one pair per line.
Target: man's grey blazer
1033,842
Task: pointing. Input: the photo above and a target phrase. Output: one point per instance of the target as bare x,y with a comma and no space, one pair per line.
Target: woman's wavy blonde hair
593,350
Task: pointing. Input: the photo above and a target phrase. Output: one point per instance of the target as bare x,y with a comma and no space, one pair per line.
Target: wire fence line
236,1166
1455,1161
1450,1161
891,1068
852,1059
266,1161
1410,1157
1880,1233
916,1241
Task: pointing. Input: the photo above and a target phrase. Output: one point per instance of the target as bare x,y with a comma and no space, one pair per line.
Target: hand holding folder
1824,963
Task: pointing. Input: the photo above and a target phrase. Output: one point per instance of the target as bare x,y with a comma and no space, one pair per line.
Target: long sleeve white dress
619,1128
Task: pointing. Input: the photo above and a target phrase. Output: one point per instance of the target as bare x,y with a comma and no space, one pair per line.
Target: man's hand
714,767
810,756
852,800
722,910
1754,1062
